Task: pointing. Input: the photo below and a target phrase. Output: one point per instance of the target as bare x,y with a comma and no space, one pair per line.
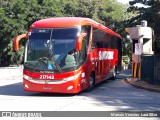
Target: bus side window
93,46
83,52
86,29
85,43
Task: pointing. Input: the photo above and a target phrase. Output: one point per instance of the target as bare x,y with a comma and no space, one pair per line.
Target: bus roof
59,22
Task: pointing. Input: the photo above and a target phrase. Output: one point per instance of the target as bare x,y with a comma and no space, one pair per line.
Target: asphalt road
111,95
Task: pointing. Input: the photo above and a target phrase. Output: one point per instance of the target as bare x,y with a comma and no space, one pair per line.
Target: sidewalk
11,73
142,84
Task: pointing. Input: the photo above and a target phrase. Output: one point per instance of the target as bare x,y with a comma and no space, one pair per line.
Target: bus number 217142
47,77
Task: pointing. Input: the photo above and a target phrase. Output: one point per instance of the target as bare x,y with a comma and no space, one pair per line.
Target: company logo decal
106,55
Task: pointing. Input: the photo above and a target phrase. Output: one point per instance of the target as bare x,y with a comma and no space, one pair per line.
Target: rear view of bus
57,56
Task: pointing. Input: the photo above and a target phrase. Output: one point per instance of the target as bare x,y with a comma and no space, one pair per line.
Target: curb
138,83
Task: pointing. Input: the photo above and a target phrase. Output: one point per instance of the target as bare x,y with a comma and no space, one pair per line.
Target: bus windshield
52,49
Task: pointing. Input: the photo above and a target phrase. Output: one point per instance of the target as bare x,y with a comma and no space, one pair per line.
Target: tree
17,16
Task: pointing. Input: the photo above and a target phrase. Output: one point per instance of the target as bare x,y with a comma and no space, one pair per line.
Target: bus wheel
114,73
91,83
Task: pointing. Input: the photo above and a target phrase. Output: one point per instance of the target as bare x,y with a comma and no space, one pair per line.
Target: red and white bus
68,55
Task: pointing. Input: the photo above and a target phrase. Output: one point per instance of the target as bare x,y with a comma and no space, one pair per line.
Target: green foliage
16,16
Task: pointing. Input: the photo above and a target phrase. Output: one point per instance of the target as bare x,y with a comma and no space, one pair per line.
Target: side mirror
17,39
79,41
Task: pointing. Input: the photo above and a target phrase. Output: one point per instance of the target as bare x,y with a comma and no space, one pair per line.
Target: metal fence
150,69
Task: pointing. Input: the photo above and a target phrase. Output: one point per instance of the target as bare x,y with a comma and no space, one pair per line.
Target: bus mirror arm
17,39
79,41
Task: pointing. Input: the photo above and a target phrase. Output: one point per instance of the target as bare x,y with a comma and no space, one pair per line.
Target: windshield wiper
41,61
52,57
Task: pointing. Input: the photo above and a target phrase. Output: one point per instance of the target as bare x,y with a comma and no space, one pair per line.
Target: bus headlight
70,87
72,77
26,86
27,77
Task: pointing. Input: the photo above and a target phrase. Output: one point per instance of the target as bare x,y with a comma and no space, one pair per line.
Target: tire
91,83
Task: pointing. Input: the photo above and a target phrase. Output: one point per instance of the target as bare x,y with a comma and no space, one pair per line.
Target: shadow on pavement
117,93
125,97
124,74
17,90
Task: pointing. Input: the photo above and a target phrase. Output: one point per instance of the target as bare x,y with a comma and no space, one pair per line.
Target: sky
124,1
127,2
